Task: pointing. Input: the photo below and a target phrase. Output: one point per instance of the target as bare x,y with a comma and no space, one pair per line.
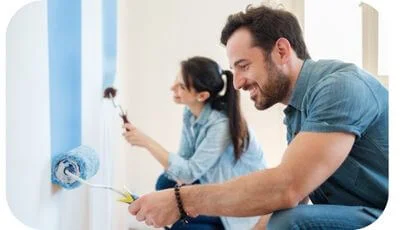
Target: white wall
383,29
29,190
30,194
333,30
100,125
94,114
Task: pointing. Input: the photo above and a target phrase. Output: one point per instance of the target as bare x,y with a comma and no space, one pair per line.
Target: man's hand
156,209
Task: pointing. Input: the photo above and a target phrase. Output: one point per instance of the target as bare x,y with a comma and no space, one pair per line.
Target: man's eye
244,67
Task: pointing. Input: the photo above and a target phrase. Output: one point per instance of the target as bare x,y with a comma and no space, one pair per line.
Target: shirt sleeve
340,104
185,146
205,156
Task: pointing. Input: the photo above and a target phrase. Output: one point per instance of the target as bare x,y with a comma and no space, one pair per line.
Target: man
337,130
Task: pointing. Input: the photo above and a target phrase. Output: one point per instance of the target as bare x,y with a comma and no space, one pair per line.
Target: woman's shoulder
217,117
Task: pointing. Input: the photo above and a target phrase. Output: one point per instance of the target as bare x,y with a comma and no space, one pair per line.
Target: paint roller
81,161
71,169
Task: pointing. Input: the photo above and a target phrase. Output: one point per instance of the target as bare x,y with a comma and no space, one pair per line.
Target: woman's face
181,93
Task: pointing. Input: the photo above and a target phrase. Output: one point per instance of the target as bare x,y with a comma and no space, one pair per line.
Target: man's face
254,72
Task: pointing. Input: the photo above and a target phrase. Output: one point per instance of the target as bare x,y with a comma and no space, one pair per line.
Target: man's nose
238,81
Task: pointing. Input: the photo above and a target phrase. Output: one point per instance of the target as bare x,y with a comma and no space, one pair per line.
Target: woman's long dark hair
204,74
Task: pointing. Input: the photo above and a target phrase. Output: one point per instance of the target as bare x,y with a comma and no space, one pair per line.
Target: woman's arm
179,168
205,155
136,137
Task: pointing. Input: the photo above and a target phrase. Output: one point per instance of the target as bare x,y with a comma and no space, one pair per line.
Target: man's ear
282,51
203,96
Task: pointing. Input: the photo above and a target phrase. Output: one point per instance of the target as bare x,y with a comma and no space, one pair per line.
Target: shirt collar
302,85
203,117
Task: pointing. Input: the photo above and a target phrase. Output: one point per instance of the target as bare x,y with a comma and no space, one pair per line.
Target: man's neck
294,73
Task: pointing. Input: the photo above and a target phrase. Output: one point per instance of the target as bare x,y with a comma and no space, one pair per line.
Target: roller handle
125,119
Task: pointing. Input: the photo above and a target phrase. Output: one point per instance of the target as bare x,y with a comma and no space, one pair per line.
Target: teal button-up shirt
332,96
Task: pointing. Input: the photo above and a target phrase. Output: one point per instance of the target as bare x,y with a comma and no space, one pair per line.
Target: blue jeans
198,223
323,216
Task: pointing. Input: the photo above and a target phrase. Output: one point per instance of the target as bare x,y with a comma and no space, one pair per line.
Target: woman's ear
203,96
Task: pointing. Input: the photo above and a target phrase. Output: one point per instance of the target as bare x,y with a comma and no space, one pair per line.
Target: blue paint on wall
64,31
109,41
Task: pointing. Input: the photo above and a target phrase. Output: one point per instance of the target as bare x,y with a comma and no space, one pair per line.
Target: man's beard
275,90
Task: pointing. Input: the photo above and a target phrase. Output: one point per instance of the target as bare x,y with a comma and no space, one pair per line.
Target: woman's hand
135,137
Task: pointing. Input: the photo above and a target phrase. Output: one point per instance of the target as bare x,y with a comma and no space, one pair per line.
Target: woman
216,144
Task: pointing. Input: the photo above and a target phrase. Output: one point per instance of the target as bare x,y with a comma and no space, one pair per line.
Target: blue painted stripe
109,41
64,29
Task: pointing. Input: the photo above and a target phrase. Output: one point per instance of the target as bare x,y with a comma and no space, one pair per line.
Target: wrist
148,143
183,216
189,203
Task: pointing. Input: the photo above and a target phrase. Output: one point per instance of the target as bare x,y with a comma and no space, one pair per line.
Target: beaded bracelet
184,216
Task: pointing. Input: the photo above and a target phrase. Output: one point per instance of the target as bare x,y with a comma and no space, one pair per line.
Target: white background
8,221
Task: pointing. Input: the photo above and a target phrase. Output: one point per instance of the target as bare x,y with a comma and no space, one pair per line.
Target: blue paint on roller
81,161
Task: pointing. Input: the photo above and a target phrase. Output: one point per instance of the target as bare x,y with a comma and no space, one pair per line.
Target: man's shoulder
333,65
338,77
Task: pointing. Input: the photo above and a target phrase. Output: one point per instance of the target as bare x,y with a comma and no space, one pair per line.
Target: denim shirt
206,154
332,96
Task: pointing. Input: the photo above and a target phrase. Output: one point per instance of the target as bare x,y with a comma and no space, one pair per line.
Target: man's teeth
252,90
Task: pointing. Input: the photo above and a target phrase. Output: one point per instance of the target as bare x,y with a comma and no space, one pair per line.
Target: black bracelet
184,216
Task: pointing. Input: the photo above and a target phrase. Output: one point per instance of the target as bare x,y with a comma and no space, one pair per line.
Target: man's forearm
258,193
